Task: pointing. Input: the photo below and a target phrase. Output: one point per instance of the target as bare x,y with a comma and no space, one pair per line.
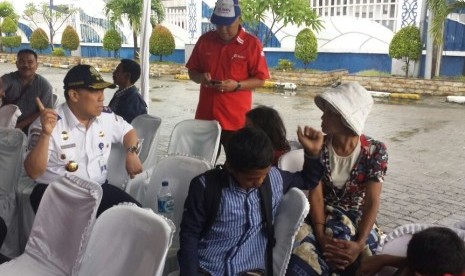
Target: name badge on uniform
103,165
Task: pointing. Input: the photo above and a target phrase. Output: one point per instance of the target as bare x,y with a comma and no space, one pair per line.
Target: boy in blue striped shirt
235,243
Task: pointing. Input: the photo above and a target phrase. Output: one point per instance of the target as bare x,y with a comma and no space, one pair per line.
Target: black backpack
215,181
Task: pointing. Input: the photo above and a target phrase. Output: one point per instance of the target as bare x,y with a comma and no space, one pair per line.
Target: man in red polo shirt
228,63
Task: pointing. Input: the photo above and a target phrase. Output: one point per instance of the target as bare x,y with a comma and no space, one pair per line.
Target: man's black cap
85,76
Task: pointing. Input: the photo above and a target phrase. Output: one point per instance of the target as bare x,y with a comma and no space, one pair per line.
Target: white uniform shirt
70,141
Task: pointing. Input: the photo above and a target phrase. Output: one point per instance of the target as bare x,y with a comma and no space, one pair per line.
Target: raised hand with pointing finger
48,118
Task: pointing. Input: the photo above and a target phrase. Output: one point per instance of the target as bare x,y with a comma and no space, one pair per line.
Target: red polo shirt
238,60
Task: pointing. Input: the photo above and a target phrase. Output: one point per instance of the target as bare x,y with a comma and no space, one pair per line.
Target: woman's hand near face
311,140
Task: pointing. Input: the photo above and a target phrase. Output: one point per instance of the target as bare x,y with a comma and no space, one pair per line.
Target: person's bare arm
373,264
203,78
342,252
133,164
27,121
35,163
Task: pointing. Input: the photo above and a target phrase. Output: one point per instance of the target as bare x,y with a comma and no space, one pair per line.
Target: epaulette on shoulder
107,109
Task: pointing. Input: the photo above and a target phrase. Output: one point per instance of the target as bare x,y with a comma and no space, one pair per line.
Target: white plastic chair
290,215
127,240
147,128
12,144
292,161
54,100
199,138
9,115
60,231
178,171
396,242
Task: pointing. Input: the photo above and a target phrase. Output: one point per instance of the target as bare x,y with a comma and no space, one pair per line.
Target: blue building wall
353,62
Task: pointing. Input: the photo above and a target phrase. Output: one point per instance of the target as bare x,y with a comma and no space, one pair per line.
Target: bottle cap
164,183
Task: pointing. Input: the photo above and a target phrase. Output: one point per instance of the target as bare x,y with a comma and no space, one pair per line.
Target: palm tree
439,10
132,11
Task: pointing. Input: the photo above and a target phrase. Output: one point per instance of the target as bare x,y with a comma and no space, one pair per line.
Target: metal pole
424,9
429,49
50,26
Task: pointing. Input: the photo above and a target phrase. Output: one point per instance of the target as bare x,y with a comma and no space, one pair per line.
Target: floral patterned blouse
371,165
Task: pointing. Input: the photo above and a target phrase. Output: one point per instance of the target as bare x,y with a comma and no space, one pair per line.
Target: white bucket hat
351,100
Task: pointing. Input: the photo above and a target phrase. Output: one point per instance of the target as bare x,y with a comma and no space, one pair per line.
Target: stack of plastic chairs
127,240
60,231
12,145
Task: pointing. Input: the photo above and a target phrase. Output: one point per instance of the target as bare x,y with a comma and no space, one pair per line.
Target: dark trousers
112,196
3,231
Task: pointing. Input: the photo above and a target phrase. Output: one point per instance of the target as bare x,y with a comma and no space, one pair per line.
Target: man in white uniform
76,138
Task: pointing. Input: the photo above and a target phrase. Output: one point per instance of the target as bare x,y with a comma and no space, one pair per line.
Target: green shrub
161,42
39,39
70,39
11,41
306,46
112,41
406,45
58,52
285,65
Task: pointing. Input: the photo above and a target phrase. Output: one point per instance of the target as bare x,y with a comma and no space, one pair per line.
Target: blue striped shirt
237,239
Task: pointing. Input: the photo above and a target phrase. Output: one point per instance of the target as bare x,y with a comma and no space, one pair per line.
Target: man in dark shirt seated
127,101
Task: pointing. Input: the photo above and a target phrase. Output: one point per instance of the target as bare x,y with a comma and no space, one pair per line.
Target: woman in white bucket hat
341,224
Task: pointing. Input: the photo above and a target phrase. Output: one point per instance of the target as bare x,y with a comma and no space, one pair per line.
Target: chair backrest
178,171
61,229
396,242
290,215
147,128
200,138
117,174
127,240
12,145
9,115
54,100
292,160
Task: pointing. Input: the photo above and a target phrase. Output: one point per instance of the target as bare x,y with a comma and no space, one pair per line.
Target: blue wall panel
332,61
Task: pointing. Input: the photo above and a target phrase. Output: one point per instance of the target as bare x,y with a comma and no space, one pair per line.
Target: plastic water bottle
165,201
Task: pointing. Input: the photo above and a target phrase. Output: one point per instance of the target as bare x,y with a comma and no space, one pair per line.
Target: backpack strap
215,181
266,207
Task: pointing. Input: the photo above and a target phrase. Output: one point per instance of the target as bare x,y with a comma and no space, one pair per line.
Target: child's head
268,119
249,155
436,251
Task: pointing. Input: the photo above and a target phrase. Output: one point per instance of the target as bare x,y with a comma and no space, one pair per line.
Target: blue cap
225,12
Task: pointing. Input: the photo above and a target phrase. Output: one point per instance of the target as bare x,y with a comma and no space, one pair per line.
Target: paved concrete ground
425,141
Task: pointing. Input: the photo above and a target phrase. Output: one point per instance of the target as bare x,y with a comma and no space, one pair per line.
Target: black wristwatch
238,86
